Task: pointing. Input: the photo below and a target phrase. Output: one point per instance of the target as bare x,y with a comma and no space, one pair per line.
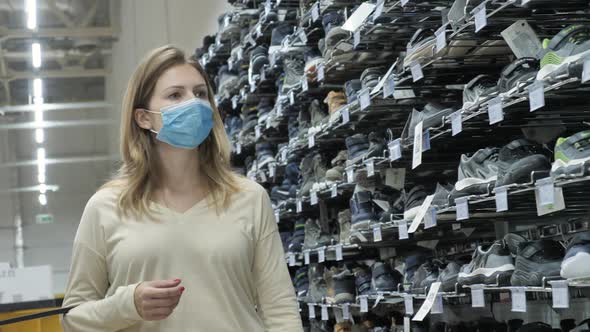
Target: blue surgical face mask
185,125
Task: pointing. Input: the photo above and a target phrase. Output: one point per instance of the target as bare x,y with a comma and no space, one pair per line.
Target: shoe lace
582,144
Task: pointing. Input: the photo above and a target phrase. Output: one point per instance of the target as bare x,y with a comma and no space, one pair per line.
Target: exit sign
44,219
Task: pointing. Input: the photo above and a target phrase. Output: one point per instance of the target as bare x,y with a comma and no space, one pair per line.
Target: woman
177,242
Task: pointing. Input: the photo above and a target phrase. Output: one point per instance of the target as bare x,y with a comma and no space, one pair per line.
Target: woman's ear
143,119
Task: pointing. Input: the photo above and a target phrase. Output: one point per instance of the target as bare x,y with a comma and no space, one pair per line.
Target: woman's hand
156,300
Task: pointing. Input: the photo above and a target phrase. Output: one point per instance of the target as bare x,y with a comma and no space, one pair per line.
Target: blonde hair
137,176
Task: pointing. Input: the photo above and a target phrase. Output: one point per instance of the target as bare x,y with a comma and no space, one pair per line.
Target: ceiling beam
77,73
105,32
56,124
61,161
49,187
85,105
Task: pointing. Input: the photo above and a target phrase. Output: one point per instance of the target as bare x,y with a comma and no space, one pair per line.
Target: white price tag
518,299
370,168
334,191
406,318
262,75
234,102
291,97
315,12
321,255
321,73
417,153
311,141
477,297
252,87
495,111
462,208
437,307
377,234
536,95
481,19
345,115
426,140
404,2
430,218
402,228
299,206
365,98
291,259
409,304
441,38
389,87
325,315
416,70
345,312
284,154
259,30
306,257
378,9
339,255
356,38
240,54
238,148
547,209
364,304
546,191
277,216
586,71
258,132
303,36
272,170
304,84
311,308
395,149
428,303
560,294
456,227
313,198
457,122
424,208
350,174
501,199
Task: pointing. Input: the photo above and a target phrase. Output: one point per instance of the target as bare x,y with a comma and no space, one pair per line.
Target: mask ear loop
148,111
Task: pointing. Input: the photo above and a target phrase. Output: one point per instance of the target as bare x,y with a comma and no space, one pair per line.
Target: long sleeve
88,284
276,297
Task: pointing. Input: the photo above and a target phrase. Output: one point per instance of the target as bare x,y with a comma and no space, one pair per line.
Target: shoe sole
577,266
574,167
343,298
487,276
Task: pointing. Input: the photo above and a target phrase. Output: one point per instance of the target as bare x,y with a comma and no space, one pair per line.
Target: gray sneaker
477,174
312,234
488,266
317,113
344,219
448,277
317,285
293,74
478,90
307,174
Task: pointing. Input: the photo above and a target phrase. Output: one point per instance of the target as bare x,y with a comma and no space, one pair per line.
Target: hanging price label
370,167
409,304
495,111
462,208
365,98
339,252
477,297
356,39
501,199
437,307
378,9
321,73
291,259
417,153
325,315
345,115
311,308
586,71
291,97
311,141
377,234
277,216
306,257
259,30
334,191
299,206
441,38
402,228
315,12
234,102
321,255
430,218
406,318
481,19
416,70
536,95
350,174
304,84
364,304
262,75
395,150
404,2
257,132
313,198
457,122
518,299
560,294
389,87
345,312
303,36
238,148
546,191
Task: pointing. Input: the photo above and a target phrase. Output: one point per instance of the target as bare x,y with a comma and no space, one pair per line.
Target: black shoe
536,260
362,281
517,160
413,200
376,146
384,279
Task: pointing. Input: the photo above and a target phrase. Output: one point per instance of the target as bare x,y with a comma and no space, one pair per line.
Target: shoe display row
322,102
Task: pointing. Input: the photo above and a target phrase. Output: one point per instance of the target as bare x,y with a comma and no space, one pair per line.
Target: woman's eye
175,95
201,94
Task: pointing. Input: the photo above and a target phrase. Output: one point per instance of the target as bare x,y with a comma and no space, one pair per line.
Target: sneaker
425,275
293,74
335,100
362,281
411,265
363,210
312,234
477,174
304,120
448,277
570,45
413,200
384,279
488,266
341,286
478,90
258,58
317,285
517,160
335,174
517,75
298,237
357,146
352,88
264,154
331,20
312,60
301,283
308,175
377,146
431,116
441,196
279,33
344,221
420,47
536,260
572,155
371,76
317,113
319,172
576,263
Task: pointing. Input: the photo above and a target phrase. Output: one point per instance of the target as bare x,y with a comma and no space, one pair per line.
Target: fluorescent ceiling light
43,199
41,177
41,160
31,7
39,135
42,188
37,88
36,54
38,116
